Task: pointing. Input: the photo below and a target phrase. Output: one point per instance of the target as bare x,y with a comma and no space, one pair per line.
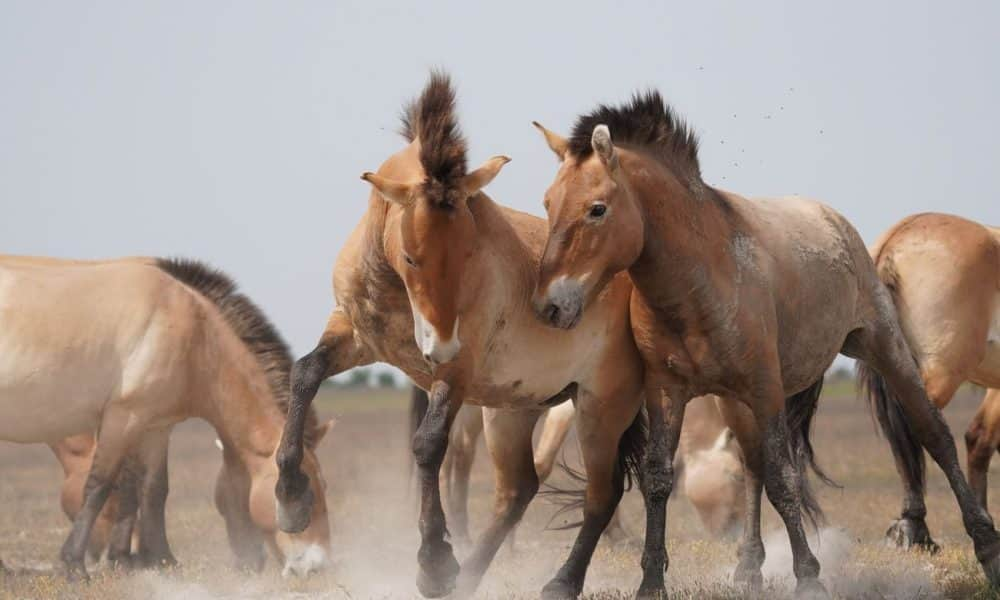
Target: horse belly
988,371
39,403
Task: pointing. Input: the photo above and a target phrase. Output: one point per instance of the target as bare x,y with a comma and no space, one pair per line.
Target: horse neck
236,399
686,234
507,259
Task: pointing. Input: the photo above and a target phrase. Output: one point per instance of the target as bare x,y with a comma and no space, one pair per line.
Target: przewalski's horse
943,273
751,300
437,260
146,343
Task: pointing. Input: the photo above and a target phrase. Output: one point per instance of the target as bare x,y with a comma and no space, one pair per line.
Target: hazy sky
236,131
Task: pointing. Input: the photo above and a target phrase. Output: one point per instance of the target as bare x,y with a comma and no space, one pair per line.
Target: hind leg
458,469
883,346
126,500
741,421
508,439
981,441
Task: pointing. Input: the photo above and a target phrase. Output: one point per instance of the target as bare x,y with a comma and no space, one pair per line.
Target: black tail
631,450
887,410
799,412
418,408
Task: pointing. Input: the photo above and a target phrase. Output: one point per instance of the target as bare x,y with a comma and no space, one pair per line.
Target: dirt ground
374,522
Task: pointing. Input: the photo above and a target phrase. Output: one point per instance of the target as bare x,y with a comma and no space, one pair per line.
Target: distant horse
943,274
435,261
143,344
708,464
751,300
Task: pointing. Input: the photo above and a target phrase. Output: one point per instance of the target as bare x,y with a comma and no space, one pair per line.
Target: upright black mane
431,119
648,123
249,323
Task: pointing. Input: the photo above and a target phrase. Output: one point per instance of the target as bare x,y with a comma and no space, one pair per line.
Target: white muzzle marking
435,350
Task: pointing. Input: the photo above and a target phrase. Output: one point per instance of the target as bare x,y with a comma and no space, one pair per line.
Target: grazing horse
943,274
144,344
751,300
436,261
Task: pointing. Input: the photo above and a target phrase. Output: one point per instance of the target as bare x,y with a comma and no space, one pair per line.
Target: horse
750,300
943,275
708,464
435,261
144,344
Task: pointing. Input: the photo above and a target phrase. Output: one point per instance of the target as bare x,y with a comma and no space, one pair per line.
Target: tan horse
751,300
944,276
146,343
438,262
708,465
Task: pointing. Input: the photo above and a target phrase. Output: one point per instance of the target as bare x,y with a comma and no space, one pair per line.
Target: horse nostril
552,313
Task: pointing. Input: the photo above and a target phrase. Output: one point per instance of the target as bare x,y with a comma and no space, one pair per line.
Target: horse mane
249,324
431,119
648,123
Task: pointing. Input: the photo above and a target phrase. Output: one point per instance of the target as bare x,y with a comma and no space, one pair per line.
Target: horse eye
597,210
409,260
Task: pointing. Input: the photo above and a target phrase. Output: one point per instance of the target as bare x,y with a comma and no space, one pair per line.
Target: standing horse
144,344
751,300
437,261
943,274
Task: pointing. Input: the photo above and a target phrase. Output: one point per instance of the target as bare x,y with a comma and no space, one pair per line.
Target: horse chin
304,561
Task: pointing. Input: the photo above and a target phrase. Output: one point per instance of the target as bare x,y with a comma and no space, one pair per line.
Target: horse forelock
431,119
645,122
250,325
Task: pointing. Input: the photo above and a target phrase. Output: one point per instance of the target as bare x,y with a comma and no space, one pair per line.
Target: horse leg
337,351
751,550
555,428
458,469
114,440
884,348
602,426
126,509
508,440
154,550
981,441
232,493
666,417
783,483
438,567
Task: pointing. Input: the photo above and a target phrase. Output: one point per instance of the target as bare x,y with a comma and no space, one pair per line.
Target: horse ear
324,429
601,141
481,177
393,191
557,143
724,439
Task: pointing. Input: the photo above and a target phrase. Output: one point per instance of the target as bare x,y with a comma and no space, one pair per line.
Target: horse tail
799,412
631,451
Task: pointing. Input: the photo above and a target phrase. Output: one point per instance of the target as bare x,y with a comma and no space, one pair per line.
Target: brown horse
943,273
751,300
144,344
436,261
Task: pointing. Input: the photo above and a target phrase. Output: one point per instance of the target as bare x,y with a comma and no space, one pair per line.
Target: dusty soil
373,515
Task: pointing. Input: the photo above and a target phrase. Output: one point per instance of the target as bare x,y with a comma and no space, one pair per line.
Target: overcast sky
236,131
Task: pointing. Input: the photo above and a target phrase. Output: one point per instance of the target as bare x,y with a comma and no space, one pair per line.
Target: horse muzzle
561,305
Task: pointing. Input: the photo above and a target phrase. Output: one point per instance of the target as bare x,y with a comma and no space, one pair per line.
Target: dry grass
375,538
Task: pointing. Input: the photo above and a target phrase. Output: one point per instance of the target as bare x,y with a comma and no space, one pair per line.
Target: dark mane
431,119
249,323
647,123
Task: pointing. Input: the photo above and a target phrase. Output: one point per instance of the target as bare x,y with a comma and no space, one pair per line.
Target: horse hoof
991,567
558,589
911,534
121,562
750,580
810,589
166,561
437,574
651,593
76,573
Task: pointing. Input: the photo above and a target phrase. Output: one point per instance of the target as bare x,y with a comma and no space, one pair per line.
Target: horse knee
657,478
309,371
429,448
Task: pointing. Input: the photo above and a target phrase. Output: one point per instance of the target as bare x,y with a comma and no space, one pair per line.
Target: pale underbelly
988,371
